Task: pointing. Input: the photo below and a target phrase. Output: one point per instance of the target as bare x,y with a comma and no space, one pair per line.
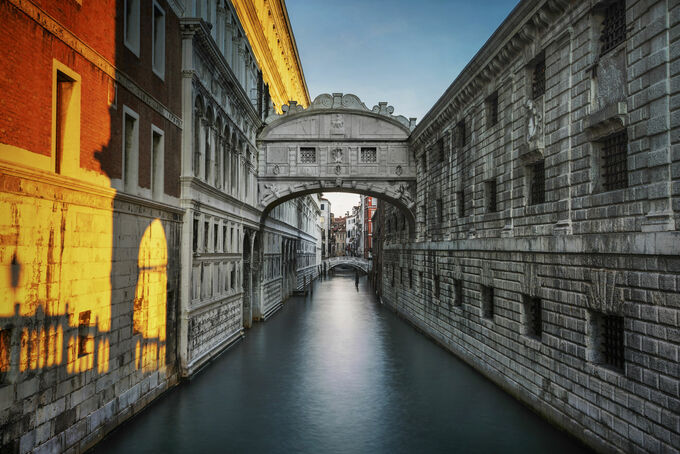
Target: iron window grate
538,79
537,194
461,134
459,292
487,302
308,155
613,26
535,317
612,341
461,204
369,155
615,161
491,199
493,109
436,286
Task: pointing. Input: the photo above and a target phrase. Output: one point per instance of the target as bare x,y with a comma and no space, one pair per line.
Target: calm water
338,373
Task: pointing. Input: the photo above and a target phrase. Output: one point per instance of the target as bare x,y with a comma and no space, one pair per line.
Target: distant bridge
355,262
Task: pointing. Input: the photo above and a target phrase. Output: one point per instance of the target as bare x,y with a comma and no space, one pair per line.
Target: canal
336,372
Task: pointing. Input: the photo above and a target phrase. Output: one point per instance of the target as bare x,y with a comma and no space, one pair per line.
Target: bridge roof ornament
340,101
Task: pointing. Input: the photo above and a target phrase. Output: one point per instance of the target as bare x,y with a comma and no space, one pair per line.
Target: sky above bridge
404,52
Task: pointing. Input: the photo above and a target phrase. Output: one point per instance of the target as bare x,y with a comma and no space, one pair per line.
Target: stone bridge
337,145
355,262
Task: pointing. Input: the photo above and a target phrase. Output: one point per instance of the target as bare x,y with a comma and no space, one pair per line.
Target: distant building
368,207
325,223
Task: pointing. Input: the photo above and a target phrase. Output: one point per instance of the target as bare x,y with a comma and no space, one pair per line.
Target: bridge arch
337,144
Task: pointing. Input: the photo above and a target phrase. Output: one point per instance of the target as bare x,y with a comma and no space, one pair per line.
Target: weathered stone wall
88,317
471,275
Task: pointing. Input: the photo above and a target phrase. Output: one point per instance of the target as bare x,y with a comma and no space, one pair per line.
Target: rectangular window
224,238
490,190
410,278
369,155
538,78
157,163
130,163
131,25
613,341
492,109
534,316
206,235
460,196
158,38
307,155
487,302
439,208
613,26
401,275
458,285
461,134
232,277
216,232
5,349
67,119
615,161
231,239
435,280
84,344
195,236
537,182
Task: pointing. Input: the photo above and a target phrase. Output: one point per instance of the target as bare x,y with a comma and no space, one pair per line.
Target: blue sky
403,52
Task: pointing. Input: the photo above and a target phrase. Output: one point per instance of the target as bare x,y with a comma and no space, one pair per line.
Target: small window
458,286
5,349
67,120
130,150
613,26
538,78
232,277
435,280
487,302
401,275
195,235
615,161
369,155
157,163
206,235
537,182
307,155
492,109
490,190
224,238
84,344
607,339
216,231
410,278
534,316
460,196
440,211
131,25
158,45
461,134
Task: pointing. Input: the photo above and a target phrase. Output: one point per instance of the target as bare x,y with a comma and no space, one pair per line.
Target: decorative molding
603,293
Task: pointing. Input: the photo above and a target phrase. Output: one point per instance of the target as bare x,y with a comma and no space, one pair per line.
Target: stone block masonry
546,252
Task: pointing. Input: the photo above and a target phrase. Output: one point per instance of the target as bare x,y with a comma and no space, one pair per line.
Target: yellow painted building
271,37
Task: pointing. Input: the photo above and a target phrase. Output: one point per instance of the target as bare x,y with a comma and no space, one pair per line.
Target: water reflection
338,373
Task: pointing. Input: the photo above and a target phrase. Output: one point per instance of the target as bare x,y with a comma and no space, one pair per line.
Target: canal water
336,372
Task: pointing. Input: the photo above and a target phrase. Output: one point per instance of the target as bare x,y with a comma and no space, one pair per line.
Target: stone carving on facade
338,170
340,101
532,148
399,170
336,155
603,293
276,169
530,284
404,195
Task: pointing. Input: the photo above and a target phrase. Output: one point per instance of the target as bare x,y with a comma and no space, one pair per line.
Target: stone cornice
198,29
283,72
517,30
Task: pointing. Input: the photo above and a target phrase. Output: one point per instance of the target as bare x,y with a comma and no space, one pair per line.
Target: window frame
159,71
133,44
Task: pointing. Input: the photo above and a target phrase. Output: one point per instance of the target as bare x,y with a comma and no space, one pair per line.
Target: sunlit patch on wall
150,299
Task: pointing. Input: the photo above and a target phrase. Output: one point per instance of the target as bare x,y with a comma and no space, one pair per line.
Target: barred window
490,195
461,203
83,328
195,236
612,341
440,211
534,316
458,285
615,161
538,78
435,279
369,155
537,183
410,278
492,109
487,302
613,26
461,134
439,148
5,349
307,155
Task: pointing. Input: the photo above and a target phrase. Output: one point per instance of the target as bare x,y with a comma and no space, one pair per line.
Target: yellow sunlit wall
269,32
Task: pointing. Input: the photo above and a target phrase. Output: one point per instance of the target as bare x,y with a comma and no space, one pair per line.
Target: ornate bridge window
613,26
308,155
369,155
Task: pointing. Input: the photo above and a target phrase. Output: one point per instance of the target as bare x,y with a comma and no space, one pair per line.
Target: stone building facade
546,251
132,249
